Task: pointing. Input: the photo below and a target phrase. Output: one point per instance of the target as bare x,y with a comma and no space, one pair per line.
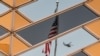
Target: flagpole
55,50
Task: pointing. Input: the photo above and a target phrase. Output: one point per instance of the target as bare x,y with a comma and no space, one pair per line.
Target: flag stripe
52,33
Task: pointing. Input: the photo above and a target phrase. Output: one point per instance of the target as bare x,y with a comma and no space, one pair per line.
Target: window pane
3,8
43,8
78,38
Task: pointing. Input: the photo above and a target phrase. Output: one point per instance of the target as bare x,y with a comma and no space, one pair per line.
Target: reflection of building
25,25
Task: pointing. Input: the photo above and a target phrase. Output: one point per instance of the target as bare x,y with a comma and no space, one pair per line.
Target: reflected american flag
53,32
